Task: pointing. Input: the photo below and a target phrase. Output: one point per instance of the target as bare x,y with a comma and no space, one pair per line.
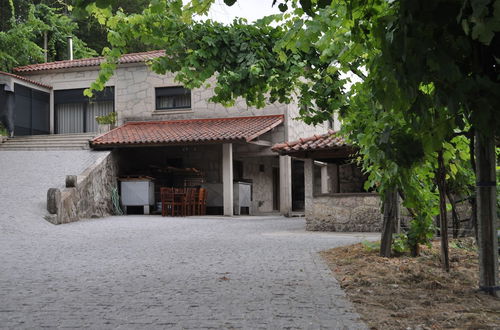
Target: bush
110,118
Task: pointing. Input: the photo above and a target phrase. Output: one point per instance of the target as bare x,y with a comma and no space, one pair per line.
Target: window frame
170,91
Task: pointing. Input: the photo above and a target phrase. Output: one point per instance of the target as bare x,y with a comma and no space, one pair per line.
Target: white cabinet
242,196
137,192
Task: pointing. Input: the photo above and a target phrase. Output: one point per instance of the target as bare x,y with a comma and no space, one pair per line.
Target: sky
249,9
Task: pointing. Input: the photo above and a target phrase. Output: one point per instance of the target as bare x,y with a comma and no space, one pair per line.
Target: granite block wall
87,195
344,213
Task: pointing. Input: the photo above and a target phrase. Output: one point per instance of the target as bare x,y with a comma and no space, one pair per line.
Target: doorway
276,189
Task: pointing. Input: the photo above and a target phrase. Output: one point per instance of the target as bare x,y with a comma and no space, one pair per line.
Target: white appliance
137,192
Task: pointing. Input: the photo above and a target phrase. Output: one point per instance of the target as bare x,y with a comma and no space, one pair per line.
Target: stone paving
135,272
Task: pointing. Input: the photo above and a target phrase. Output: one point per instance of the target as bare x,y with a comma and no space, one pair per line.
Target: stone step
43,147
54,137
49,142
18,142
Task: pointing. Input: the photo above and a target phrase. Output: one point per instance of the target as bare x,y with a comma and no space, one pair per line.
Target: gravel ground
134,272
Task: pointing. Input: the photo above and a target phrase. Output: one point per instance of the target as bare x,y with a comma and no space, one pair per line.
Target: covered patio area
335,198
228,157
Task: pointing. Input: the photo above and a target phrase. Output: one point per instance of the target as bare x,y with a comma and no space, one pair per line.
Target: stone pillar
325,180
334,178
308,185
285,185
227,178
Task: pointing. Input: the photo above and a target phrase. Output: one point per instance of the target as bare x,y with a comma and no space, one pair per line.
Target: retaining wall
87,195
348,212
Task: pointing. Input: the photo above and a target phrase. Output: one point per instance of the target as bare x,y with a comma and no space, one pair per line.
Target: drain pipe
70,47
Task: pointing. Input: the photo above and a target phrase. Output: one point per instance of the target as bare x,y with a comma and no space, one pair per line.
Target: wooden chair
180,202
201,202
173,201
167,201
191,198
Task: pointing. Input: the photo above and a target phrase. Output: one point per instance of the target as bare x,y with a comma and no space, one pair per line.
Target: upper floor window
172,98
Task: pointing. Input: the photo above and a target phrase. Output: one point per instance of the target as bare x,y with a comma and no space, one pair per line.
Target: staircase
48,142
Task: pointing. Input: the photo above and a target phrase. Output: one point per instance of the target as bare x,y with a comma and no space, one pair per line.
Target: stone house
163,127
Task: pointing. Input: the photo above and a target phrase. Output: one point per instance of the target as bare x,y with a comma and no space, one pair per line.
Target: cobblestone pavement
149,272
25,177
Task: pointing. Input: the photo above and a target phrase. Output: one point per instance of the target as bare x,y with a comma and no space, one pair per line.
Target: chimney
45,47
70,47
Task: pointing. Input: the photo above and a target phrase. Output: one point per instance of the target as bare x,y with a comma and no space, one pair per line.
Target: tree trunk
390,219
473,199
454,215
443,221
486,212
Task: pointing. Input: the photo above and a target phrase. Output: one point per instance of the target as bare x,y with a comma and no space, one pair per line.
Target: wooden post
443,221
390,219
486,212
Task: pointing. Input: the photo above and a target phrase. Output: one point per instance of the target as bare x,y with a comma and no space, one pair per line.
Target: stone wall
260,171
87,195
297,129
135,98
344,213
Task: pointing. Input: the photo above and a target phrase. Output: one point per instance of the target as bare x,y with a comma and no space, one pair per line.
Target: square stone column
333,174
227,178
325,180
285,185
308,185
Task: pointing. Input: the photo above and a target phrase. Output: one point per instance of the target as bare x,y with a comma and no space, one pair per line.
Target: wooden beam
262,143
262,153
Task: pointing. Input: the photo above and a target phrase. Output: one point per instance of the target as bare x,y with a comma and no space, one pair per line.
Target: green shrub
110,118
3,130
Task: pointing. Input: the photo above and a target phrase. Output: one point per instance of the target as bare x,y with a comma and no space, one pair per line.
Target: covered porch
334,194
229,157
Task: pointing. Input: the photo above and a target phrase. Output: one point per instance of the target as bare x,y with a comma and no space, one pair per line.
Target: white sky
249,9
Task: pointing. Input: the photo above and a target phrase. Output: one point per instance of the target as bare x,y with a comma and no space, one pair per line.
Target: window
75,113
172,98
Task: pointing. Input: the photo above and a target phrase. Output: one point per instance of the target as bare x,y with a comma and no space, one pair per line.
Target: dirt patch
415,293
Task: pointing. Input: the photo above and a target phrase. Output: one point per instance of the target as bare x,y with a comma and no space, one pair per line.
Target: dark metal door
32,111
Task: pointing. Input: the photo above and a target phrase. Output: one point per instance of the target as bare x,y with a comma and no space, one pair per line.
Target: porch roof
182,132
25,79
328,145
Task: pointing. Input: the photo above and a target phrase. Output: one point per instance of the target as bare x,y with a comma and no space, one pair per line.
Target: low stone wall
87,195
349,212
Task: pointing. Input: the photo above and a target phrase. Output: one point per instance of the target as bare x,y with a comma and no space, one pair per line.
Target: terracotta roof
210,130
328,141
25,79
87,62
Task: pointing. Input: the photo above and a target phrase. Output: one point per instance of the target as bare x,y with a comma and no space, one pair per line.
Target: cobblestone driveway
152,272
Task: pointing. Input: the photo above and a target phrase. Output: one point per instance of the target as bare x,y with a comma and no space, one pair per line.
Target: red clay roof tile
87,62
188,131
328,141
25,79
